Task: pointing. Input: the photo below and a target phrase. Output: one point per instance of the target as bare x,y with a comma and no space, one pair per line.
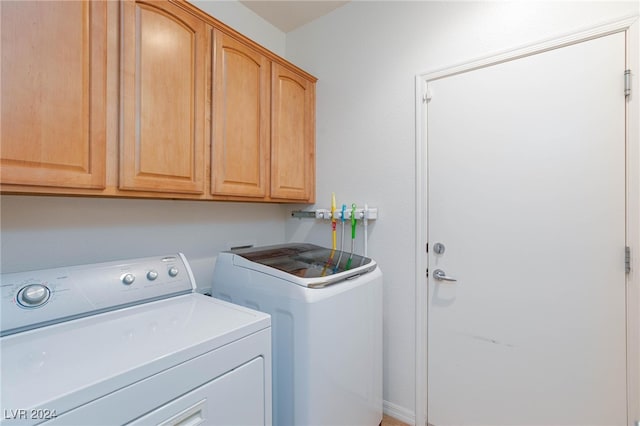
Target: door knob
440,275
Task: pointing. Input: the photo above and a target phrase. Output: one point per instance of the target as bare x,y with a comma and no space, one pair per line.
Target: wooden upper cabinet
53,79
240,125
165,54
148,98
292,135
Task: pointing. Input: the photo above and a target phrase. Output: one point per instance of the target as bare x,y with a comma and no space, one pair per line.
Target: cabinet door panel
53,108
240,146
292,136
164,99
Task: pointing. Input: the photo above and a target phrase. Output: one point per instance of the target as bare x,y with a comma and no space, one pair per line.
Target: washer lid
63,366
304,264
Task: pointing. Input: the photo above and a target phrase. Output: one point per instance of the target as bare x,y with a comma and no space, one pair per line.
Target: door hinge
627,83
627,259
426,97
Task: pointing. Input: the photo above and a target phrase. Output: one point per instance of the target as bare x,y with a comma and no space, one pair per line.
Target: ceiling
289,15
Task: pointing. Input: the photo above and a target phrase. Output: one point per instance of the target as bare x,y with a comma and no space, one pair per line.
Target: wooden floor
390,421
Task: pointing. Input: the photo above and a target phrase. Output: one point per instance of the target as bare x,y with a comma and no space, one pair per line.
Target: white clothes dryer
129,342
326,312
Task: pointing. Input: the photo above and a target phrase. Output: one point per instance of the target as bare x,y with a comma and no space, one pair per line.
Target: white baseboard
400,413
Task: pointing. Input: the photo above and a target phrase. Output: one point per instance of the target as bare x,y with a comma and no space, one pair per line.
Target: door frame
631,27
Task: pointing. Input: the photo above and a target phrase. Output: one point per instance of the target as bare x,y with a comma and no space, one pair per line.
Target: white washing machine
129,342
326,313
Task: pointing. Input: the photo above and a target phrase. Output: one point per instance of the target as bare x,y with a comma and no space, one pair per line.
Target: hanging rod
370,213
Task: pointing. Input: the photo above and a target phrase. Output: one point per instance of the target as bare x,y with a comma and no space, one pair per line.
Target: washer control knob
33,295
152,275
128,279
173,271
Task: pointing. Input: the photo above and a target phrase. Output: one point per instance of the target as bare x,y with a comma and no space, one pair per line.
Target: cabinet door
292,135
53,79
240,145
164,69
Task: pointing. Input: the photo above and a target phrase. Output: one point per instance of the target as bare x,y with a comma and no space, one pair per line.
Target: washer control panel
42,297
33,295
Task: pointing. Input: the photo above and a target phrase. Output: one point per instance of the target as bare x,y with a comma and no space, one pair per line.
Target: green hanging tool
353,234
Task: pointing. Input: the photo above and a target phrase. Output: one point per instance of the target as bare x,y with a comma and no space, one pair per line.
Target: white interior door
526,191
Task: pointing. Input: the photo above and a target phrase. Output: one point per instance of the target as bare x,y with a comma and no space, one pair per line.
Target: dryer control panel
37,298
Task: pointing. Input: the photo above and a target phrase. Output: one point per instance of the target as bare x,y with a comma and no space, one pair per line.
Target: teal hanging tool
353,234
342,218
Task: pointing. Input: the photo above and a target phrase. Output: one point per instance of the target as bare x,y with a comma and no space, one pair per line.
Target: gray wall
43,232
